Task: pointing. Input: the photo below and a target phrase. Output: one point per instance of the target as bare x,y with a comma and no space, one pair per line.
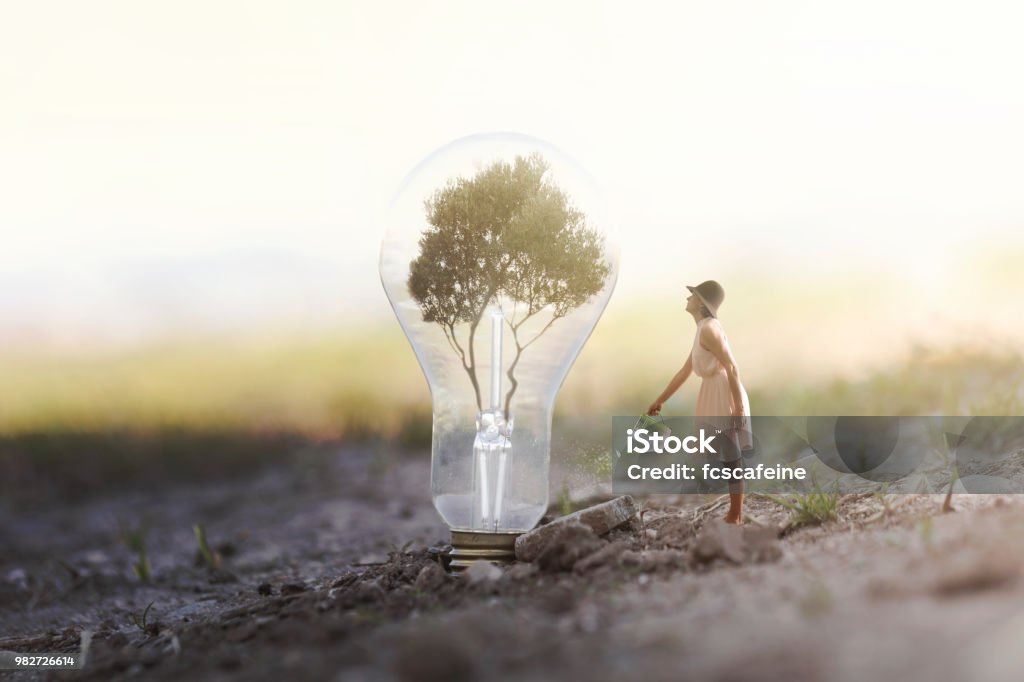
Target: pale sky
226,165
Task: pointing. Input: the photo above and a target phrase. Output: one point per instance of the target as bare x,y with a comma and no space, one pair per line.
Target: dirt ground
326,572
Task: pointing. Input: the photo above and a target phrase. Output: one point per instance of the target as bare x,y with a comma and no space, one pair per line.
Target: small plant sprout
142,622
565,505
641,512
947,504
210,557
134,539
808,509
949,460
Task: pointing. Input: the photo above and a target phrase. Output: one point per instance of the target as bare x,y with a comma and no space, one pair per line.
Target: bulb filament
492,446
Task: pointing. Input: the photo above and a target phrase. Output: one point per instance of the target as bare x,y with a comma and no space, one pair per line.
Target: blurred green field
74,424
366,384
327,387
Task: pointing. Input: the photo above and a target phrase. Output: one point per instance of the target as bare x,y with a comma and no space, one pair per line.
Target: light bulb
498,260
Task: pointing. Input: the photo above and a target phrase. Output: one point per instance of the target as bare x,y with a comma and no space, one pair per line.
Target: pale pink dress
715,398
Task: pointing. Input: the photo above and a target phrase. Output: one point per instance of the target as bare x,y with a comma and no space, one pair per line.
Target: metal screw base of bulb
469,546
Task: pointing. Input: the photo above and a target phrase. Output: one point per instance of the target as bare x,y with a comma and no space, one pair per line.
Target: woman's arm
678,380
712,338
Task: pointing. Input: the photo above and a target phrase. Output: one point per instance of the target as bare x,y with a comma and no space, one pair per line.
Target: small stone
430,578
600,518
481,573
265,589
572,542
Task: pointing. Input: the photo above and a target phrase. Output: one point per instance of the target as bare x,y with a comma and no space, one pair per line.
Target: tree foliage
507,237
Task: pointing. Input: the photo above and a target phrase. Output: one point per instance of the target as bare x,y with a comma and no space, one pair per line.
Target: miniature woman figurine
721,394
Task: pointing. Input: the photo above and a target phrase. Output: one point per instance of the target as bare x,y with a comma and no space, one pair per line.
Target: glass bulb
498,261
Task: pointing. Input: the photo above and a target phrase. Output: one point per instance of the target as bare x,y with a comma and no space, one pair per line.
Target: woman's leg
729,449
735,513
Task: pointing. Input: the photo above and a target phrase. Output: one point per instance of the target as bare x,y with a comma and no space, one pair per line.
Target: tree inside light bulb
510,238
501,255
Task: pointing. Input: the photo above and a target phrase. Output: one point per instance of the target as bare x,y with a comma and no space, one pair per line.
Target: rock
737,544
430,578
600,519
481,573
571,542
265,589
